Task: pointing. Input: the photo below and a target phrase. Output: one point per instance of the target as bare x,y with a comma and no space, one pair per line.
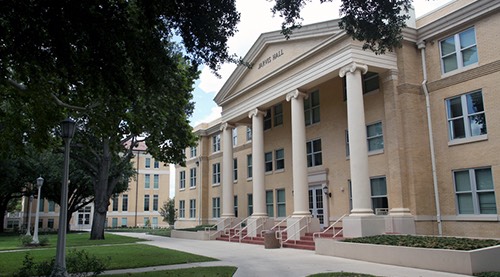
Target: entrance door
316,203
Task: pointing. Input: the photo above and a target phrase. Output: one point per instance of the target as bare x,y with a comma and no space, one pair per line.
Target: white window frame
147,181
279,160
465,118
216,207
312,153
182,180
155,202
280,203
147,162
268,162
270,203
311,109
182,209
192,208
376,136
278,115
380,210
146,202
474,191
458,51
156,181
249,133
249,166
192,151
235,170
234,133
216,143
192,177
216,174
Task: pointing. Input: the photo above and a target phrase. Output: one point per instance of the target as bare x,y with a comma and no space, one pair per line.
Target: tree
377,23
168,211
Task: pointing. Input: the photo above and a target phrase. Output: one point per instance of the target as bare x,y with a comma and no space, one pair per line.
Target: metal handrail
279,235
236,228
224,226
330,227
276,225
262,224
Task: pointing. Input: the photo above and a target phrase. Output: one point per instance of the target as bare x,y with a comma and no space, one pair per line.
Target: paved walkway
255,260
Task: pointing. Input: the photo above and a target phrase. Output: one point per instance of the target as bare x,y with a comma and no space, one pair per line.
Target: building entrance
316,204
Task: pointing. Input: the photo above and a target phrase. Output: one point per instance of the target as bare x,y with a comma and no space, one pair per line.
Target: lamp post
39,184
68,130
28,232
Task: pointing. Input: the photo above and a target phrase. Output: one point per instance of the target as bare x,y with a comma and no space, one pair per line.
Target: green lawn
187,272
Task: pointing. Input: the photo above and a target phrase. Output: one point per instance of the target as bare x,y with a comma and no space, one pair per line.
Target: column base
297,227
363,226
400,224
400,212
361,212
229,222
257,224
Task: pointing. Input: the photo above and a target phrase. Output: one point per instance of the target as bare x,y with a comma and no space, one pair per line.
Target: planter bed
456,261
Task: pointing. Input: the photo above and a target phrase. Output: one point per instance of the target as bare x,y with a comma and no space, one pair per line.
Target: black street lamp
68,130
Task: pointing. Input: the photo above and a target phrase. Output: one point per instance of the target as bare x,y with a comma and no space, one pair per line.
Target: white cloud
214,114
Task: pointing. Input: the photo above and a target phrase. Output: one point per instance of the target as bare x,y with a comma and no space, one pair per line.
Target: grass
186,272
451,243
165,232
341,274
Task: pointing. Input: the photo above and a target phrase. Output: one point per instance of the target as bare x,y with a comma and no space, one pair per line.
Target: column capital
352,68
295,94
226,125
256,112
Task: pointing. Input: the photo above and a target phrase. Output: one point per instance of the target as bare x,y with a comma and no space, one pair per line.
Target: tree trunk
98,225
102,192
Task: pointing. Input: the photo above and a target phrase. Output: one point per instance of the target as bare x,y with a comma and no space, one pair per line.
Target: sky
257,18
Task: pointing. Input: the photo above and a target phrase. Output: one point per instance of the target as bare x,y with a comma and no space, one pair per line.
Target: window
249,166
466,117
114,222
459,50
314,157
216,207
235,169
311,108
156,181
146,202
155,222
84,215
379,193
52,206
50,223
192,152
279,156
269,203
216,173
124,203
147,163
182,209
375,137
124,222
146,222
192,208
281,202
250,204
268,160
182,179
156,164
155,202
236,205
278,115
268,120
475,191
249,133
192,177
216,143
147,180
235,136
41,203
115,203
370,83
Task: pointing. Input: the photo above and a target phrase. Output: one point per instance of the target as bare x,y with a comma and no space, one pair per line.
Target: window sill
249,179
279,170
269,172
472,217
216,185
183,189
458,70
376,152
191,188
467,140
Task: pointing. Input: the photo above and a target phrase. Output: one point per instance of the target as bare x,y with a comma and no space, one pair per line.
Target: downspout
421,46
137,188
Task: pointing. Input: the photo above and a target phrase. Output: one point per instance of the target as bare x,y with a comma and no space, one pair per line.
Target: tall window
155,222
115,202
475,191
250,204
314,157
216,207
192,177
268,160
269,203
375,137
50,223
156,181
279,156
114,222
124,203
192,208
235,136
84,215
182,209
156,164
278,114
182,179
41,203
281,202
216,173
147,180
236,205
249,133
147,163
311,108
52,206
466,117
268,120
193,152
379,193
235,169
459,50
124,222
155,202
146,202
249,166
216,143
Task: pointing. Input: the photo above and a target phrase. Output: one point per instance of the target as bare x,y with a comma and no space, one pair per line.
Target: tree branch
16,85
71,107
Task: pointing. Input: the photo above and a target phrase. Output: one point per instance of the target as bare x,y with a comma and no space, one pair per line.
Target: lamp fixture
326,191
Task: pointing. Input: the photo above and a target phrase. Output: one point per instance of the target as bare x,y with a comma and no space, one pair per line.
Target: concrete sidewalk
255,260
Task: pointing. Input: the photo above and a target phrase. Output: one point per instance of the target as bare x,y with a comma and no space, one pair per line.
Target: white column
299,154
258,173
358,147
227,171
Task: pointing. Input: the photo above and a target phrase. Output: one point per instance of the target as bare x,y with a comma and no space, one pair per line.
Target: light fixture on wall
326,191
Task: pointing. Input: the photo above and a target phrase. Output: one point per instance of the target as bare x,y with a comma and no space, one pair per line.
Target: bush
43,241
26,240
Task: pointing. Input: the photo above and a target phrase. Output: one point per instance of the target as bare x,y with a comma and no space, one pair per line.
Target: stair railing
275,226
238,229
279,235
319,234
257,228
222,222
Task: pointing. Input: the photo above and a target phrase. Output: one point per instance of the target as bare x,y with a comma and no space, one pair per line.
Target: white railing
238,229
216,226
279,235
332,226
275,226
381,211
264,220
